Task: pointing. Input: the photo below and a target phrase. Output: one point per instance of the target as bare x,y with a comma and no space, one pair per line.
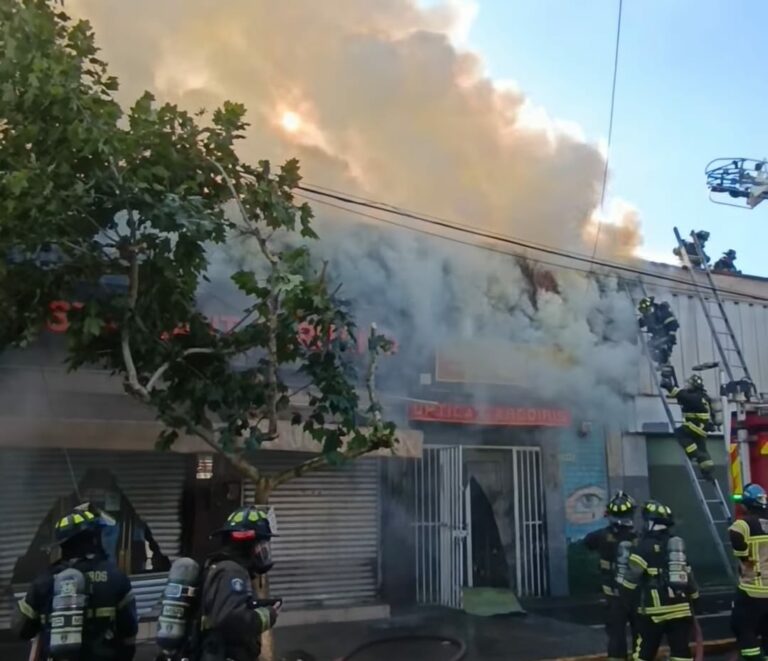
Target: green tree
92,195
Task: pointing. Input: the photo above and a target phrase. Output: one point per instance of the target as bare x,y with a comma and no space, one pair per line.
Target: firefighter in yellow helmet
95,610
697,421
232,619
661,584
614,544
750,546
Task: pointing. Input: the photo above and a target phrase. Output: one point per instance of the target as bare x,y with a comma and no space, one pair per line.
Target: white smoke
377,98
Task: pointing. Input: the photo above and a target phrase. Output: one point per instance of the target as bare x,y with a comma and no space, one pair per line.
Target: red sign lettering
307,333
502,416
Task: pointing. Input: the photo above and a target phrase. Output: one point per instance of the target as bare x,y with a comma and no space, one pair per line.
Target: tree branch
273,302
164,367
315,463
133,296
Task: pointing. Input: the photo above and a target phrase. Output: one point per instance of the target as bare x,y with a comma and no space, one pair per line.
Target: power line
610,127
467,229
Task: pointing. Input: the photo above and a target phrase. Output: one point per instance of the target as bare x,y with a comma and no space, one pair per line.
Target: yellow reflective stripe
694,595
751,651
674,392
107,611
628,584
665,617
653,571
125,600
680,658
741,554
655,598
672,608
696,416
27,610
690,448
638,560
265,617
740,526
695,429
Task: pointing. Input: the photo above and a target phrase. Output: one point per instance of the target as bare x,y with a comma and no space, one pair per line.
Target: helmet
621,505
80,520
730,253
702,235
655,512
645,304
696,382
246,523
248,529
754,498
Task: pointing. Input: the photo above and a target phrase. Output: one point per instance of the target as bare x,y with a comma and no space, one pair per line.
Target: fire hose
460,645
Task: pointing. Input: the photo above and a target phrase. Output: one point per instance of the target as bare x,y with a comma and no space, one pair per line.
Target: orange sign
502,416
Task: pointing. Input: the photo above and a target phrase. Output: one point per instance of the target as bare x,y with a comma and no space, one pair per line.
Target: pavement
552,629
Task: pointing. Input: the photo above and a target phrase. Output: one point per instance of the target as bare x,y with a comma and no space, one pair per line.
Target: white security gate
530,531
443,520
441,533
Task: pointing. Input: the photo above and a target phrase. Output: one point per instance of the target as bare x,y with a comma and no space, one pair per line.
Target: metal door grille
530,531
440,531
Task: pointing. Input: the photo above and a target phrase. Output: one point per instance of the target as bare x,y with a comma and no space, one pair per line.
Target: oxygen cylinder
622,560
677,564
67,614
177,606
716,411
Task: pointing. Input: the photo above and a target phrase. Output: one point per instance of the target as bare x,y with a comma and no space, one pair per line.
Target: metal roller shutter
31,481
327,551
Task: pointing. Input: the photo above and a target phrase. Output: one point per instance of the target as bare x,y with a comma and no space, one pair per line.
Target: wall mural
584,476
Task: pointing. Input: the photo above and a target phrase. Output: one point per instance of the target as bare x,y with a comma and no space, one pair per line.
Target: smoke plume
376,99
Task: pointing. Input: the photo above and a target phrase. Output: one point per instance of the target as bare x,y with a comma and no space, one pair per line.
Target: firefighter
658,320
726,263
614,544
697,421
232,620
95,610
660,582
702,236
749,618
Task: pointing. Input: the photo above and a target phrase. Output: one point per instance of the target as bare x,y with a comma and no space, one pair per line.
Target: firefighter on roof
660,323
232,620
697,421
660,581
726,264
614,544
95,612
749,539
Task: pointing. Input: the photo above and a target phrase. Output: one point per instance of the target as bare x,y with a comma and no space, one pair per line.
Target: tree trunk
261,583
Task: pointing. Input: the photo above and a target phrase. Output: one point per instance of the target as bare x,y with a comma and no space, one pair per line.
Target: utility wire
610,128
501,238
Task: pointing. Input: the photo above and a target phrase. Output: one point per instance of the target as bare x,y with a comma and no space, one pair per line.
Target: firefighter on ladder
749,618
614,543
658,320
702,236
660,582
697,421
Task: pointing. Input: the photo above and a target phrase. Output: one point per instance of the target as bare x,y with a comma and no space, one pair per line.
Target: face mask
261,558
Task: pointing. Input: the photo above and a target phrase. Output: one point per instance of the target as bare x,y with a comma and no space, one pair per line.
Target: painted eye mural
585,505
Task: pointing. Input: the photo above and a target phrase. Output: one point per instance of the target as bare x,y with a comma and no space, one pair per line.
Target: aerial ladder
709,493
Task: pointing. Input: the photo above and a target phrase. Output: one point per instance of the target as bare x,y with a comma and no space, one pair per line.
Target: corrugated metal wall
327,552
31,481
695,343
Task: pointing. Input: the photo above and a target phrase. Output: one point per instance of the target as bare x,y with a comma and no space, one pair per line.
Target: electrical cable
466,229
610,128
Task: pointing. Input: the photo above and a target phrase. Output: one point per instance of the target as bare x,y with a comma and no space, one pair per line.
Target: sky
691,87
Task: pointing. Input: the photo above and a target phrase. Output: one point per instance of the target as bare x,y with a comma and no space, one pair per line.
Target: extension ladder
714,503
728,348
